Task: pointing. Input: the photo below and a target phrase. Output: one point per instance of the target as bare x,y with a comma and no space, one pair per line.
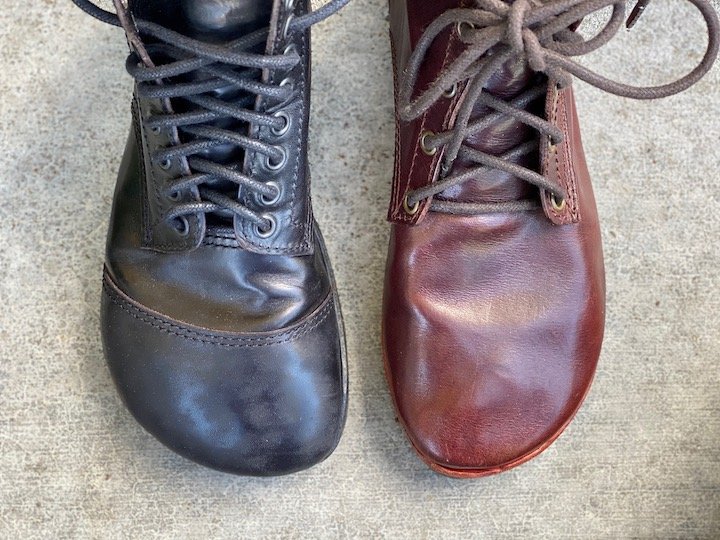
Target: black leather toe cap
259,404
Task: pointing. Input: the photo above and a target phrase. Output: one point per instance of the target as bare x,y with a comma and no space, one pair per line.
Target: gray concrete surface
642,458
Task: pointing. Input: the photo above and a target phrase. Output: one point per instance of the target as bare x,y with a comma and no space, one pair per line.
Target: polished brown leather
492,323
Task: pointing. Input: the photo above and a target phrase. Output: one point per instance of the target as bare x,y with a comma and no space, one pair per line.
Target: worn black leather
226,346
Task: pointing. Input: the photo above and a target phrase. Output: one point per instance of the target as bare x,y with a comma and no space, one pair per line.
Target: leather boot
220,316
494,298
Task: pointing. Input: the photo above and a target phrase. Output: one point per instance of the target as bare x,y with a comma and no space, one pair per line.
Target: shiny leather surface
254,404
213,20
230,354
414,168
492,324
292,211
219,284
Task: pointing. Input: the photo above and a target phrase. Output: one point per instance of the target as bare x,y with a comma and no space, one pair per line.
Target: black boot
220,317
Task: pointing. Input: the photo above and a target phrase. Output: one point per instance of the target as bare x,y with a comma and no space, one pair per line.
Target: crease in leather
232,290
502,135
493,324
204,335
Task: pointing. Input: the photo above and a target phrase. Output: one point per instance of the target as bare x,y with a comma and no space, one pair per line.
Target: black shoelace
538,34
162,69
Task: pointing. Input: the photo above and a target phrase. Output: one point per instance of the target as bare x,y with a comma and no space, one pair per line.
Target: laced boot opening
217,22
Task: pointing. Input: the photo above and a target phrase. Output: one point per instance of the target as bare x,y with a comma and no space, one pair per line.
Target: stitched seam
219,246
435,160
298,142
153,178
396,169
218,241
546,154
221,235
150,225
556,158
304,244
556,155
568,176
146,231
435,163
115,297
569,171
222,341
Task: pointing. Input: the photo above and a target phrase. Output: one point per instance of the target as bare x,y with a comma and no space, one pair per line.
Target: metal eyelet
174,196
423,143
267,233
156,130
165,164
271,201
451,92
558,206
292,48
286,82
410,210
182,225
286,28
462,27
280,164
279,132
289,4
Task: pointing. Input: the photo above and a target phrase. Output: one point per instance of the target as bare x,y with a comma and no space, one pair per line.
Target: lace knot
525,44
541,34
517,32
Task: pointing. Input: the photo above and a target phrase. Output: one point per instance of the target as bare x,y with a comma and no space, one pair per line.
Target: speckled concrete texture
641,460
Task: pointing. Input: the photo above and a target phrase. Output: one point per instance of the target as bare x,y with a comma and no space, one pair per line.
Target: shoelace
539,34
212,67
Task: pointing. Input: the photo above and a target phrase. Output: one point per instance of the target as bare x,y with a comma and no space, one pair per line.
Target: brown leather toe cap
492,331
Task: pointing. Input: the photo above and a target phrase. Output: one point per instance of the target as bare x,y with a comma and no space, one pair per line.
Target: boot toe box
258,404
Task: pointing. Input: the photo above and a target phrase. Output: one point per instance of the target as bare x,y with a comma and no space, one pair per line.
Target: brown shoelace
539,34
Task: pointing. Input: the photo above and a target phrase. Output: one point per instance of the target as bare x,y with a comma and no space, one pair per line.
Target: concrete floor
641,460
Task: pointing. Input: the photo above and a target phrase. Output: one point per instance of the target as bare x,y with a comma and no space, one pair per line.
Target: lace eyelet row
181,225
289,5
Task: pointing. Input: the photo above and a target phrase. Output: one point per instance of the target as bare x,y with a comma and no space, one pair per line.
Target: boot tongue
212,21
503,135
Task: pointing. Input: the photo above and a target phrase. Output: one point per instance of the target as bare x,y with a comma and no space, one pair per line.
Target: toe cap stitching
213,339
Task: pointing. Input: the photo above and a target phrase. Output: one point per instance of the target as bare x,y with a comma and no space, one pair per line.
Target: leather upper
292,210
492,323
219,284
220,275
225,345
257,404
